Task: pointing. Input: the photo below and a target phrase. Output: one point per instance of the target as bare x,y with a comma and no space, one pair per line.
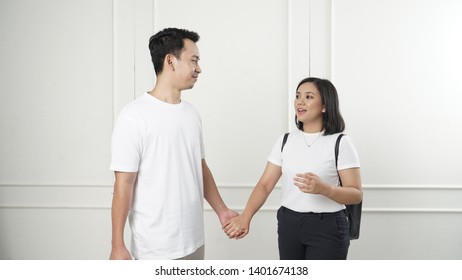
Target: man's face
187,67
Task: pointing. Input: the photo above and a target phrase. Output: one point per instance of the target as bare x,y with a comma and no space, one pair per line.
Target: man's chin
189,87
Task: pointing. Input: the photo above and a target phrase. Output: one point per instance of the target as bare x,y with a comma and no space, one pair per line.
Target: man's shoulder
135,105
189,106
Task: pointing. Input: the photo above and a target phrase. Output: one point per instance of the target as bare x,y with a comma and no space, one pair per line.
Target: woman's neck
312,128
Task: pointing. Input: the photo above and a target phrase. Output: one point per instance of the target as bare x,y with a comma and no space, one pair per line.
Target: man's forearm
120,209
121,203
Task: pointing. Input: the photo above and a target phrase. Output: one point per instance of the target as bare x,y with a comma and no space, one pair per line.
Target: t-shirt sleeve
126,145
275,157
347,156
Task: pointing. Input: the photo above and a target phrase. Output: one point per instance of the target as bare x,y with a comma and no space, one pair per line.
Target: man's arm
121,203
213,197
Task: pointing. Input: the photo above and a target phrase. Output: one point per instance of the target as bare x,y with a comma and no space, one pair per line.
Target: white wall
396,65
56,118
64,80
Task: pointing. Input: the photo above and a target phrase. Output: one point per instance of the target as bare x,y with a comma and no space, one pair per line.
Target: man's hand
226,215
237,227
120,253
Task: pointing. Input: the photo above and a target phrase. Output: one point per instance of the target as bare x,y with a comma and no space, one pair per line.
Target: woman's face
308,105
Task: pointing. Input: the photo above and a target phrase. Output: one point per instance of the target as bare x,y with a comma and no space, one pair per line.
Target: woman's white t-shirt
297,157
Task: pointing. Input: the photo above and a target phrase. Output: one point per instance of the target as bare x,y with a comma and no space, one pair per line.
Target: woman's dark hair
332,120
168,41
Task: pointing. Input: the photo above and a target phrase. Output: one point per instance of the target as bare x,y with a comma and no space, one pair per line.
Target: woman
312,223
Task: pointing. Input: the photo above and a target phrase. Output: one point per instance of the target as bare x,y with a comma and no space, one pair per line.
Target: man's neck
166,94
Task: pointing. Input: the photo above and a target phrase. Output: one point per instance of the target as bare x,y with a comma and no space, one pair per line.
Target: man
158,157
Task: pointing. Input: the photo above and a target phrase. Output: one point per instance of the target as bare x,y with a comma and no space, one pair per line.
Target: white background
68,67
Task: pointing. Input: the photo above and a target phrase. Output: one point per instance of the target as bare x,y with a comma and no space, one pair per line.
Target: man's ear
170,61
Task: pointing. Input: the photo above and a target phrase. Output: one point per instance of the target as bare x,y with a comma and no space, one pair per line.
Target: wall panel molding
123,54
55,196
298,50
365,187
377,198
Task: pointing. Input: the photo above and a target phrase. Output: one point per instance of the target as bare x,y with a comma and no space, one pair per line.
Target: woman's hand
311,183
237,227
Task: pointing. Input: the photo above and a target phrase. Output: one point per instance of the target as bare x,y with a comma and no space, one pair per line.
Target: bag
353,211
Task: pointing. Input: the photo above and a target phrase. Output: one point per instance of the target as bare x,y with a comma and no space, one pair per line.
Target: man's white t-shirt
297,157
163,143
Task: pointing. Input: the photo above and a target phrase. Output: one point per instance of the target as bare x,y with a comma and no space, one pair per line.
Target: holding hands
237,227
226,215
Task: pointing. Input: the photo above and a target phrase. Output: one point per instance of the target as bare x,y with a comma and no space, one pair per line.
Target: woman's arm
238,227
350,192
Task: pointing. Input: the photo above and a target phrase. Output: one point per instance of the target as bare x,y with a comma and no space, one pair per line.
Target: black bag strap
337,146
353,211
284,140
